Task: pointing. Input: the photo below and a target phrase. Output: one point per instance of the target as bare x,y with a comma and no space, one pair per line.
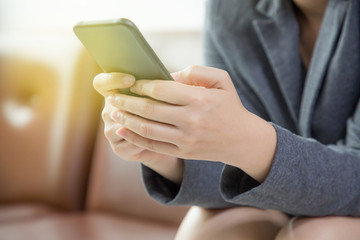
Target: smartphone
117,45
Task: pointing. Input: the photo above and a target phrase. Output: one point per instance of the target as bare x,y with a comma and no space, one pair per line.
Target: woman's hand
168,166
198,116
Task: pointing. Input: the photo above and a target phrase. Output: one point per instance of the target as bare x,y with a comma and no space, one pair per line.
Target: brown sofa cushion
94,226
10,213
48,120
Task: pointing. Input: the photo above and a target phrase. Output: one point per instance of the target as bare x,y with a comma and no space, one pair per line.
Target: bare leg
227,224
321,228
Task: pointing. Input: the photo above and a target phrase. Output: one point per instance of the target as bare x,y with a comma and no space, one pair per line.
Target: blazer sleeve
307,177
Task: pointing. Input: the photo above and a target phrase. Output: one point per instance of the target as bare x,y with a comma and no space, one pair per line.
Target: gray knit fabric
316,112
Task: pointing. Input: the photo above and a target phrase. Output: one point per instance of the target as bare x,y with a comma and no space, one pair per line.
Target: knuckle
124,119
156,89
145,129
194,121
205,105
202,100
198,100
224,73
192,69
189,71
119,102
104,115
132,138
147,107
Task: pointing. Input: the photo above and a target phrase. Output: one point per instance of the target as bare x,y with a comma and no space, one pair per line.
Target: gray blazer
316,112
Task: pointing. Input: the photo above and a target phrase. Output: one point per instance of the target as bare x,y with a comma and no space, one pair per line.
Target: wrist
267,150
258,148
169,167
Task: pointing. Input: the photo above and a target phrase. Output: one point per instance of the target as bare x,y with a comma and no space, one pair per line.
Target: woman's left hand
198,116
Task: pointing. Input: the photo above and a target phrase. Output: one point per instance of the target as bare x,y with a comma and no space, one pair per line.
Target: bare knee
227,224
321,228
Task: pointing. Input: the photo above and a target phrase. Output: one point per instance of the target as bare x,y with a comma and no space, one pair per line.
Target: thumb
108,83
207,77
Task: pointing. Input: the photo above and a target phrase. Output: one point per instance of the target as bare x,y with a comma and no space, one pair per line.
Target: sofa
59,178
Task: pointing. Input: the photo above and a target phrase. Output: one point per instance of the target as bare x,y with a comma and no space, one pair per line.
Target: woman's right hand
109,84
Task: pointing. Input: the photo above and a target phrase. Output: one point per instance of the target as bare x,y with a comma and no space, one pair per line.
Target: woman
277,128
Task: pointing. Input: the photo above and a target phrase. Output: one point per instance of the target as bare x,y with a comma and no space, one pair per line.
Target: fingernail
121,132
111,98
135,88
116,116
175,75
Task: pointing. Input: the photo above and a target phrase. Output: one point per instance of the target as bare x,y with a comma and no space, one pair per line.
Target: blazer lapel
323,50
279,36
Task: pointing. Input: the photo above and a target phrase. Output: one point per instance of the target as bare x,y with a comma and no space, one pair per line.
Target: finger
106,112
151,156
126,150
185,88
146,128
167,91
110,126
207,77
109,83
146,108
110,130
149,144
